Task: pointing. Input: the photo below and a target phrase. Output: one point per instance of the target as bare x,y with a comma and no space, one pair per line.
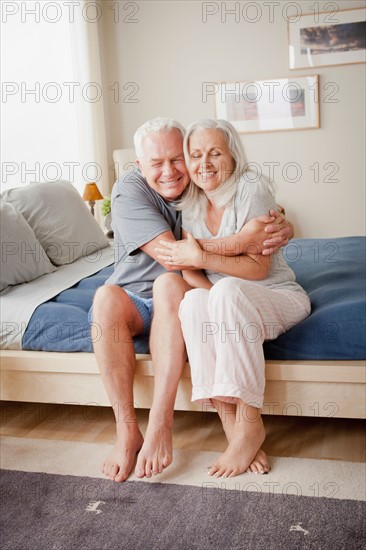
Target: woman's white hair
153,126
194,200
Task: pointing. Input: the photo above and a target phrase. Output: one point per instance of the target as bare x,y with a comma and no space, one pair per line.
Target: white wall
163,52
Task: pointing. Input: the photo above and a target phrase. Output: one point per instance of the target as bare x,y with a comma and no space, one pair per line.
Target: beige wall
163,51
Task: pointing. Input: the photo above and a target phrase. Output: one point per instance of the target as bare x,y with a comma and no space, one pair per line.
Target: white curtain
53,124
90,105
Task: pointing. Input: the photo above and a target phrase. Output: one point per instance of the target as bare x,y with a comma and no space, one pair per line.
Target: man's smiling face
163,163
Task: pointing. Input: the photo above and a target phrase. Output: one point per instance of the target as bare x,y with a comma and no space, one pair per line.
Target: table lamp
92,194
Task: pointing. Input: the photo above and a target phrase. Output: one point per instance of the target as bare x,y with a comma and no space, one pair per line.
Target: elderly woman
225,319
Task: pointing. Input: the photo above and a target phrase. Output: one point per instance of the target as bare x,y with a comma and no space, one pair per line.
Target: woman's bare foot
242,449
260,464
157,450
119,464
227,414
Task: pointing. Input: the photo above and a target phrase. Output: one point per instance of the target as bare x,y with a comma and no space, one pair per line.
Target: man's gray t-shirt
139,214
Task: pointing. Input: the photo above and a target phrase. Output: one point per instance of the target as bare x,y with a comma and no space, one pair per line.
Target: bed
315,369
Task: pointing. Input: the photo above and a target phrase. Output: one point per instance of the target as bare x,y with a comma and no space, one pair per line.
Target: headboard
124,161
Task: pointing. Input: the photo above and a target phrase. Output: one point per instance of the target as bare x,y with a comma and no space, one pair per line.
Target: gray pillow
60,220
22,256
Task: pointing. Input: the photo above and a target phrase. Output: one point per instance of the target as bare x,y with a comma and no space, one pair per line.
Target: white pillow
60,220
22,256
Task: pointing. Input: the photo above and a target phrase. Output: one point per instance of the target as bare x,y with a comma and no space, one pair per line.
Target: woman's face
211,162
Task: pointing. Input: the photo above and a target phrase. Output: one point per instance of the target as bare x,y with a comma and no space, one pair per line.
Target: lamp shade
92,193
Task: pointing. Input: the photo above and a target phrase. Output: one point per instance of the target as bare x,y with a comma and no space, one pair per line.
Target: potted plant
106,211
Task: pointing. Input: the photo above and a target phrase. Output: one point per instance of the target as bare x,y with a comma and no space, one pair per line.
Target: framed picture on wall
270,105
329,38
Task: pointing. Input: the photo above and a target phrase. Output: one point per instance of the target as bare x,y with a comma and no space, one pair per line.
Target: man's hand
280,232
268,233
186,252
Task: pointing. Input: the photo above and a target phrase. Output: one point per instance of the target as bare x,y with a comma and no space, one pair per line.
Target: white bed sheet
18,303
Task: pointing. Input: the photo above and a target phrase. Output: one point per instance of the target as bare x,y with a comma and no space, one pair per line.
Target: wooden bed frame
296,388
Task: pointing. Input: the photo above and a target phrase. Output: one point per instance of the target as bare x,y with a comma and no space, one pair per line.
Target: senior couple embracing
199,240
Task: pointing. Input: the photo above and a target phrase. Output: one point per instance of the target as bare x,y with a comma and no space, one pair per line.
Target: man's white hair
153,126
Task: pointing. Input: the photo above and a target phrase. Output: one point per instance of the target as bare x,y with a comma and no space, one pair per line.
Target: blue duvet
332,271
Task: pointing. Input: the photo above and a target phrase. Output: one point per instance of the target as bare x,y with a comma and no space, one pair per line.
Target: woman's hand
186,252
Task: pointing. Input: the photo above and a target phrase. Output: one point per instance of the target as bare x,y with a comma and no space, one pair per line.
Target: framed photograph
269,105
329,38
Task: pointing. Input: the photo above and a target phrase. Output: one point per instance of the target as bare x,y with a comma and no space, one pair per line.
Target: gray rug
46,511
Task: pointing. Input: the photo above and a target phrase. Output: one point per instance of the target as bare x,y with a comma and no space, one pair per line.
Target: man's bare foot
119,464
157,450
260,464
241,451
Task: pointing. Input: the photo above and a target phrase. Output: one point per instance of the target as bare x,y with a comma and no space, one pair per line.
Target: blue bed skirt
332,271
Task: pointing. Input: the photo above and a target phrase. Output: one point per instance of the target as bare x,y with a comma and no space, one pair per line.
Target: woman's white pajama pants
224,329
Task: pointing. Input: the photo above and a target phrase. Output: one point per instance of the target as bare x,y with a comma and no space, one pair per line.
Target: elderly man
143,211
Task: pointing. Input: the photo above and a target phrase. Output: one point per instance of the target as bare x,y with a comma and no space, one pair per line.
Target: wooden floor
322,438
